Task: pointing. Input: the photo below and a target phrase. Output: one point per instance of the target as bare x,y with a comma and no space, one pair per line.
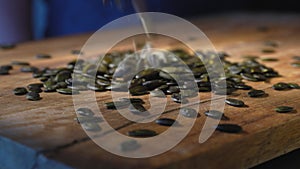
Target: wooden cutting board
31,131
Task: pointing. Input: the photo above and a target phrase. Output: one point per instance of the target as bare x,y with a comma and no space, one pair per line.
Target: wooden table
43,134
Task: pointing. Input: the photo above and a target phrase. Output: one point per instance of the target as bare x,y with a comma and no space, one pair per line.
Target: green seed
268,51
85,119
281,86
20,91
96,87
43,56
33,96
271,43
296,64
85,112
248,77
20,63
215,114
235,102
67,91
157,93
188,112
4,71
294,86
142,133
132,100
29,69
137,108
6,67
117,104
229,128
284,109
165,121
242,86
7,46
256,93
270,59
138,90
91,126
129,145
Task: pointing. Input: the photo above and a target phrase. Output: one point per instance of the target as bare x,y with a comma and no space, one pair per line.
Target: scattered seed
269,59
284,109
295,64
20,91
130,145
142,133
256,93
294,86
91,126
42,56
229,128
85,112
268,51
235,102
33,96
165,121
188,112
67,91
20,63
281,86
215,114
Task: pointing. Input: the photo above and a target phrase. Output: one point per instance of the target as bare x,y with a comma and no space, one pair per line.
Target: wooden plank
47,126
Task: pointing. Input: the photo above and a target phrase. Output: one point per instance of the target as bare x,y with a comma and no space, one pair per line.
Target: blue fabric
77,16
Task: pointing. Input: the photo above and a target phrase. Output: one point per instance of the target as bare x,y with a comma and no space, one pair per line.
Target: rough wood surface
47,126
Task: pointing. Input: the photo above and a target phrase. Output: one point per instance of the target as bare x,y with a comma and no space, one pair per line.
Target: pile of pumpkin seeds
80,75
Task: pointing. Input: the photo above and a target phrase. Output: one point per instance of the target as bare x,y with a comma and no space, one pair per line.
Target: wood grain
48,127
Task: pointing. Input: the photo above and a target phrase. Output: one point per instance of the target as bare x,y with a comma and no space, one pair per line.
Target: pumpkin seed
4,71
294,86
76,52
85,119
85,112
157,93
281,86
42,56
117,104
165,121
33,96
235,102
268,50
142,133
7,46
284,109
29,69
176,97
271,43
130,145
173,89
6,67
188,112
138,90
137,108
242,86
20,63
96,87
270,59
67,91
20,91
256,93
296,64
229,128
248,77
91,126
215,114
